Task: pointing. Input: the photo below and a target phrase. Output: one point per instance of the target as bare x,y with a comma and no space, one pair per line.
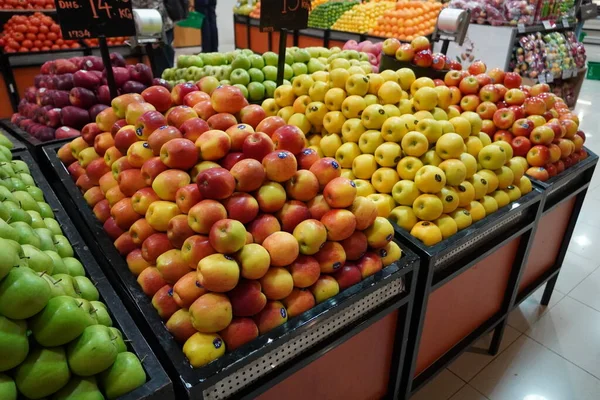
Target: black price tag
283,14
84,19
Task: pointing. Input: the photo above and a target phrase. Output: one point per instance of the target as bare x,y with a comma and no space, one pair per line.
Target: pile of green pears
56,338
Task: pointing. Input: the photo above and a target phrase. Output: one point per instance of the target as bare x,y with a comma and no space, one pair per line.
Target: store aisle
548,353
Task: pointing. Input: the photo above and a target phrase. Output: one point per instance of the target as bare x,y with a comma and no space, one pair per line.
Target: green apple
58,265
63,247
20,166
53,226
243,88
66,282
256,91
6,195
257,61
256,75
196,61
183,61
7,231
270,58
37,259
45,210
89,310
301,56
299,68
241,62
55,289
125,375
10,257
46,238
102,314
8,389
61,321
289,58
314,66
117,337
270,73
288,72
74,266
43,372
225,82
94,344
199,74
190,73
14,343
18,183
36,219
23,293
26,234
270,87
85,288
16,213
79,389
239,76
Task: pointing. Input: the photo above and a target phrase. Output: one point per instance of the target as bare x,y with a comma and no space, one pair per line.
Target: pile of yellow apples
406,144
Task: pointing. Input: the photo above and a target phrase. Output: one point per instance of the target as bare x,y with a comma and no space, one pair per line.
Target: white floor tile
530,310
468,393
442,387
527,369
587,291
475,359
571,329
574,270
585,240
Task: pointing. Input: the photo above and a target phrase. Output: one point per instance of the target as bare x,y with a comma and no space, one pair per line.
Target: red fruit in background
438,61
180,91
552,171
539,173
522,127
504,118
154,246
503,135
455,65
269,125
534,106
307,158
497,75
112,229
484,79
193,98
423,58
512,80
469,85
560,166
518,110
477,67
521,146
538,156
204,110
228,99
159,97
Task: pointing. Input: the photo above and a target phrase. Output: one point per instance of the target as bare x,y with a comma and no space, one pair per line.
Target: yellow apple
439,114
525,185
474,145
406,77
491,179
466,194
428,207
450,145
408,166
505,177
375,82
455,171
477,211
330,144
363,187
485,139
373,116
389,75
431,128
430,179
286,113
394,128
444,96
318,90
391,110
492,157
270,106
415,144
489,204
461,126
462,218
369,141
449,198
371,99
333,121
381,204
470,163
334,99
423,114
390,93
405,192
447,225
513,192
427,232
404,217
301,122
364,166
352,129
506,147
353,106
480,185
406,107
383,179
431,158
284,95
420,83
388,154
346,154
501,198
357,84
338,77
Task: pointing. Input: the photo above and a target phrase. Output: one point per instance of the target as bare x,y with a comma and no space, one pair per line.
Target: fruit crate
17,144
259,365
388,62
454,270
158,385
28,141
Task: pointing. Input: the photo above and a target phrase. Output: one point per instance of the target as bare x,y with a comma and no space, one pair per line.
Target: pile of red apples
230,223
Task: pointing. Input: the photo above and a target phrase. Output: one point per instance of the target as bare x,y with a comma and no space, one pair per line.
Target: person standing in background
210,34
163,54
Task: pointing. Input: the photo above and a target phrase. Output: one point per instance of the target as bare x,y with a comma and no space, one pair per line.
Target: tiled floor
548,353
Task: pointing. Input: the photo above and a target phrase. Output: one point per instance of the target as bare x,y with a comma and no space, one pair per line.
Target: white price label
547,24
549,77
542,78
574,72
565,22
521,28
566,74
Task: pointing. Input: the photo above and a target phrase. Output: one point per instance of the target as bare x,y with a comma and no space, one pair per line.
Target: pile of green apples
256,74
56,337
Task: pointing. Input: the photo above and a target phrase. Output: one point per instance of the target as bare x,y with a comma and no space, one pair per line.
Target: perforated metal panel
446,259
276,358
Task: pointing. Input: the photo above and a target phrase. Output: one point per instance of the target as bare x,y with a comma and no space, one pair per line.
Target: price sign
283,14
567,73
542,78
521,28
565,22
549,77
84,19
548,24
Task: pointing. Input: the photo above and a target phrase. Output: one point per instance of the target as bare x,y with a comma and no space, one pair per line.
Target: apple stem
80,304
58,281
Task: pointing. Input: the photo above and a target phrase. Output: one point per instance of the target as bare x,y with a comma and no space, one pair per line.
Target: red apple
521,146
215,183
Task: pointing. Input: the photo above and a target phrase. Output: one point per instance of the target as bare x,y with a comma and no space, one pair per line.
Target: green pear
79,389
36,193
67,283
46,238
43,372
101,313
9,259
45,210
8,389
5,155
74,266
7,231
36,219
4,214
23,293
26,179
6,195
16,213
26,234
26,201
6,170
125,375
117,337
53,226
59,266
14,344
61,321
63,247
16,246
18,183
6,183
94,344
37,259
19,166
85,288
55,288
4,141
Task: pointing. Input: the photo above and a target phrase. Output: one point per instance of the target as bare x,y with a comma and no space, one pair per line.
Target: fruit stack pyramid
408,20
363,17
325,15
229,222
423,58
56,336
424,153
255,74
69,93
36,32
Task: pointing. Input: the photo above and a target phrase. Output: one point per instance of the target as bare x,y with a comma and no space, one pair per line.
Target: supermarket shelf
548,26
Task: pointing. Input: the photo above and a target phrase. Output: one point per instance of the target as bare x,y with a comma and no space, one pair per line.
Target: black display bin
158,385
448,259
259,365
33,144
